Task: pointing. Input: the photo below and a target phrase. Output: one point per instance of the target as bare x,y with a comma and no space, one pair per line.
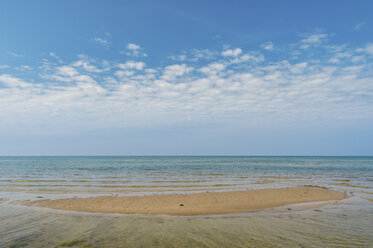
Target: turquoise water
347,224
27,176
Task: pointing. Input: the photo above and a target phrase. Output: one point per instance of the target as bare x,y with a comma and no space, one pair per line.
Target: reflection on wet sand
352,186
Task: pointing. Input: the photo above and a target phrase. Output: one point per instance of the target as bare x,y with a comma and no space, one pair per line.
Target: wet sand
195,204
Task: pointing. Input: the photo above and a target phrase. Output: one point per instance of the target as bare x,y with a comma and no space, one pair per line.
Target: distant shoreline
195,204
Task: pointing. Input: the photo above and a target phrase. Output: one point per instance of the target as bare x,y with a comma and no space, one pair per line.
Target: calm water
347,224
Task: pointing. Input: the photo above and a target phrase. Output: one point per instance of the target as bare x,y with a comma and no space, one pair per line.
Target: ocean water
347,224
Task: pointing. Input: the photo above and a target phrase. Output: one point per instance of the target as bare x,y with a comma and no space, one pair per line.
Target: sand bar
195,204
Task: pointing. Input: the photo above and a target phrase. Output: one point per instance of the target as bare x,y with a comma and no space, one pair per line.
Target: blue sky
186,78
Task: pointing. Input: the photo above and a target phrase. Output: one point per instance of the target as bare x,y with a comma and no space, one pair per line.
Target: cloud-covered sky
161,78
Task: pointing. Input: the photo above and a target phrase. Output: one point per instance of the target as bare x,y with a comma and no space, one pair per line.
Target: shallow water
347,224
26,177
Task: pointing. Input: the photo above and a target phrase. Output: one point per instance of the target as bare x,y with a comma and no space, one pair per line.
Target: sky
186,78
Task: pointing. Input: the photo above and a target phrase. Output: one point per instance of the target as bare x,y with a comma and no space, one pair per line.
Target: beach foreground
195,204
305,224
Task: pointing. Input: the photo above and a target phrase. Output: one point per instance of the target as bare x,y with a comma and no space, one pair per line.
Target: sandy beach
195,204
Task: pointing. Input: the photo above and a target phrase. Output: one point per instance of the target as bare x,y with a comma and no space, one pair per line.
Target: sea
348,223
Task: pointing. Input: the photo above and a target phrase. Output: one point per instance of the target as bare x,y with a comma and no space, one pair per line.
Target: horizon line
186,156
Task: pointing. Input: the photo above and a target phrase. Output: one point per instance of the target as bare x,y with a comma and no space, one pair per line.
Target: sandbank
195,204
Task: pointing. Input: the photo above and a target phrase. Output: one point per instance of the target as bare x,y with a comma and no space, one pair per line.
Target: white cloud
133,47
268,46
86,66
313,40
129,69
173,71
232,53
53,55
151,71
339,56
357,59
334,60
11,81
68,74
181,57
239,87
205,54
248,57
298,68
132,65
213,68
124,73
195,55
102,41
134,50
67,71
369,48
23,68
4,66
